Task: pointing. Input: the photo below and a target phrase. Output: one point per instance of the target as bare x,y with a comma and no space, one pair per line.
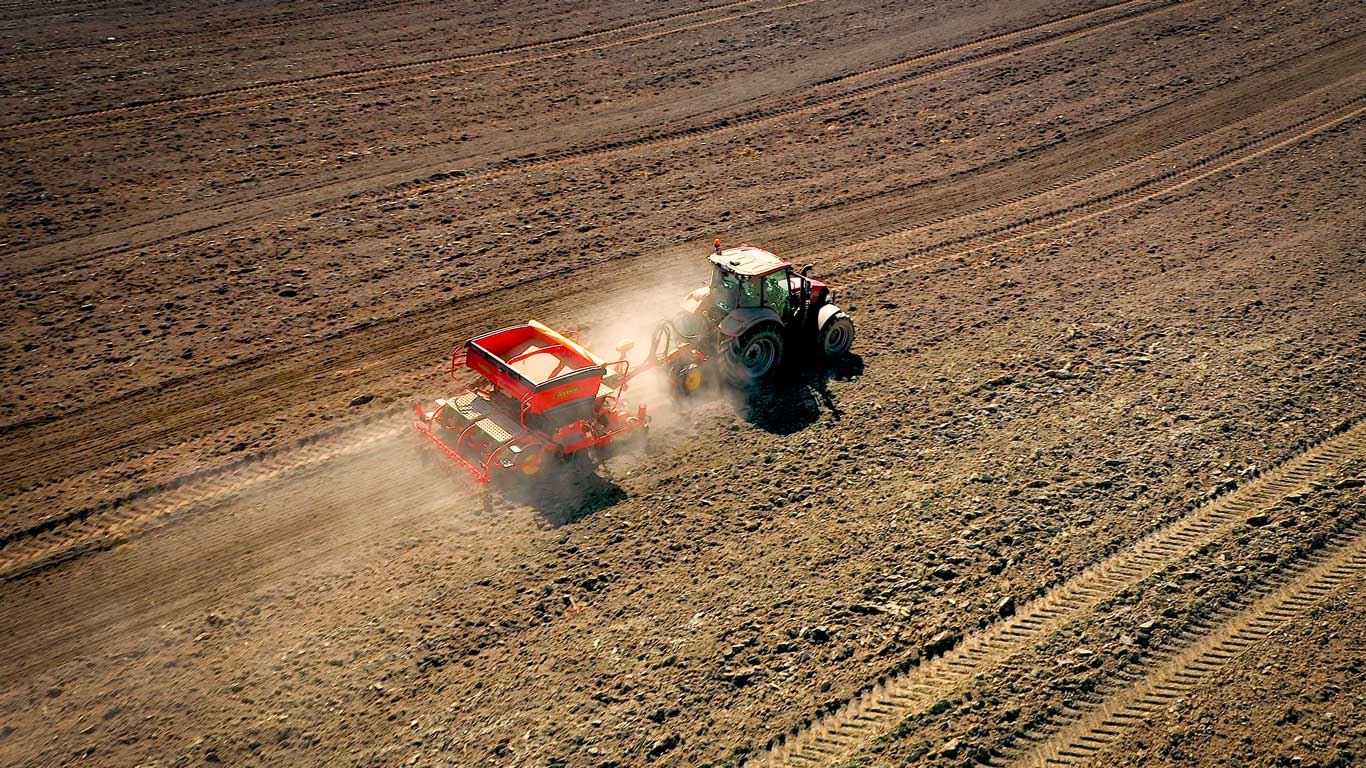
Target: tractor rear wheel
836,337
755,354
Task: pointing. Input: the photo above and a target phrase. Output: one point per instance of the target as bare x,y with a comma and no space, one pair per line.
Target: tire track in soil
142,590
392,184
238,29
1184,121
398,342
290,86
1209,652
49,10
1166,183
1181,122
893,699
108,525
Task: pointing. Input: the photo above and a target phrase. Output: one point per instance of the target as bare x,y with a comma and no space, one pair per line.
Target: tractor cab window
731,291
749,292
777,289
725,289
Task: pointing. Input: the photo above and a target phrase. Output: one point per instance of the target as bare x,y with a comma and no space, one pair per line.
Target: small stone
944,572
950,747
1258,520
216,620
815,634
1351,482
1005,606
54,692
739,677
941,643
360,400
664,745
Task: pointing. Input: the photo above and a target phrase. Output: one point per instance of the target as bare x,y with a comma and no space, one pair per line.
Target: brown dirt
1105,261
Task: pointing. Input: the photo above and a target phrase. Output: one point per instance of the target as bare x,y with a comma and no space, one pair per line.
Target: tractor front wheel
836,337
755,354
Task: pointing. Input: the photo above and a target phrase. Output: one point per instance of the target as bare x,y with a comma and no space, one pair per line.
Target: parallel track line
1189,669
103,526
1079,213
1185,132
896,698
362,7
410,341
294,83
438,177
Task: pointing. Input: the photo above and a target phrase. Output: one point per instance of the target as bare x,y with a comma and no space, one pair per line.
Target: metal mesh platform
478,409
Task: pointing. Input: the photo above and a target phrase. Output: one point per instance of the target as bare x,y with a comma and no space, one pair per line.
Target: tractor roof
748,261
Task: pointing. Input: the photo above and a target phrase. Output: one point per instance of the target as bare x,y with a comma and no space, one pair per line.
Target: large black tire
836,337
755,355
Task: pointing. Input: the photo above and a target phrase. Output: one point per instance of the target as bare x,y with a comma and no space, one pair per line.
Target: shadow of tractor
797,395
581,486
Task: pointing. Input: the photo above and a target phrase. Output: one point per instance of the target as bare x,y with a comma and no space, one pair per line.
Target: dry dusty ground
1091,489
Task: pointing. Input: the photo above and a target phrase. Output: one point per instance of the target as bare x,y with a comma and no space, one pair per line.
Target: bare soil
1106,265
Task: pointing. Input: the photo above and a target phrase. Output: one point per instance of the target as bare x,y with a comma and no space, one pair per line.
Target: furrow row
894,699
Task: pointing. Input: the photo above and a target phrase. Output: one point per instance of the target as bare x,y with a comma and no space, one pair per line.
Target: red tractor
754,308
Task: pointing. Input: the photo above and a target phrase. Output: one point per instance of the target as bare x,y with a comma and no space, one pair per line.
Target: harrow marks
110,524
1165,183
304,201
396,340
334,82
892,700
1126,710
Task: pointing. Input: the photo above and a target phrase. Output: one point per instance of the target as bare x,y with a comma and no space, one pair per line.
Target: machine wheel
755,354
689,378
539,459
836,337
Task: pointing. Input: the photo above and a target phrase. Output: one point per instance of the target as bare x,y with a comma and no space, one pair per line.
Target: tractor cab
751,278
753,306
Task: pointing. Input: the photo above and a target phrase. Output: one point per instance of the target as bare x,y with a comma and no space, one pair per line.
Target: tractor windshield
730,290
725,289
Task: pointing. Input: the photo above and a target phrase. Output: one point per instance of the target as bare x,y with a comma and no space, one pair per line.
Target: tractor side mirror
625,346
806,270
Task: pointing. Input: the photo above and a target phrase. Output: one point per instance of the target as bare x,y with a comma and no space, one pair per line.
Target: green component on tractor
754,309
